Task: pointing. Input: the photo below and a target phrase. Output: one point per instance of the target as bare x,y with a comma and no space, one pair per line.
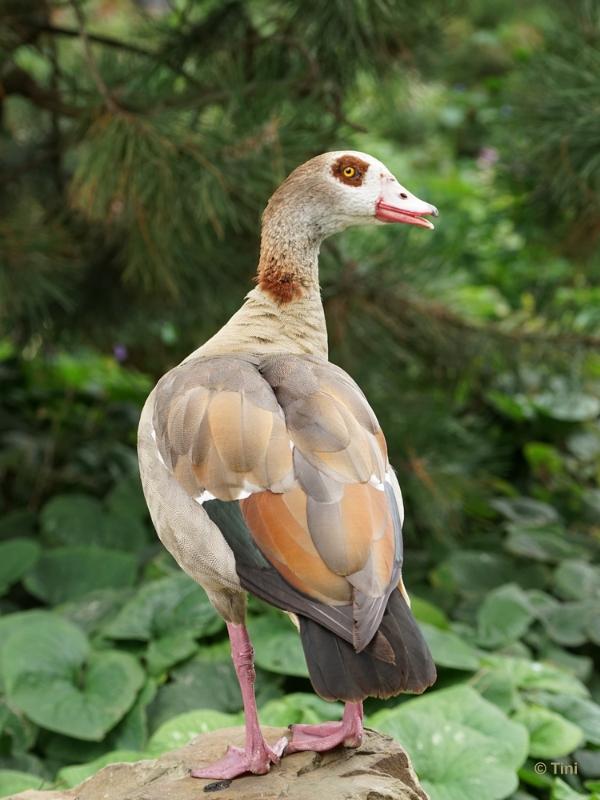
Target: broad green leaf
121,532
526,511
498,687
568,406
201,683
581,711
74,775
541,602
126,498
18,621
13,782
462,747
16,729
16,557
572,624
168,650
277,645
580,666
424,611
448,649
164,607
51,674
132,731
299,707
576,580
562,791
67,573
535,675
504,616
546,543
180,730
71,519
209,681
476,572
95,609
550,734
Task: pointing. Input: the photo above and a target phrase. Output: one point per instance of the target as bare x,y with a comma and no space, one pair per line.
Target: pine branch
119,44
19,82
386,308
109,100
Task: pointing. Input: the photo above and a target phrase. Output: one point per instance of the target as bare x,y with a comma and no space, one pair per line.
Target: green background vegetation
137,150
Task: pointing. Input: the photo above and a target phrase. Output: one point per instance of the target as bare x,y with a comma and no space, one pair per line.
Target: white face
362,190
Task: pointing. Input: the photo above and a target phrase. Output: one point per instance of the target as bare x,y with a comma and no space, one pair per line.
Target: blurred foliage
139,144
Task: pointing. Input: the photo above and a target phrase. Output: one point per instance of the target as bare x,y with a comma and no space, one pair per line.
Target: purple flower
488,156
120,352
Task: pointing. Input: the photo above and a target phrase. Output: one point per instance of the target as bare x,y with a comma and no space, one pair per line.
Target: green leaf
579,710
562,791
504,616
497,687
53,677
18,734
121,532
476,572
16,557
132,731
74,775
299,707
126,498
67,573
13,782
568,406
180,730
572,624
203,682
424,611
576,580
277,645
550,735
462,747
535,675
81,520
21,620
168,650
448,649
547,543
94,610
526,511
164,607
71,519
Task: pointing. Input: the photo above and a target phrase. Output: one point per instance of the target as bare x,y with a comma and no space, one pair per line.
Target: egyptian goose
265,470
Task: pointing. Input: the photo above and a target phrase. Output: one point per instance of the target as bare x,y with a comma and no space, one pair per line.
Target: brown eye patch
350,170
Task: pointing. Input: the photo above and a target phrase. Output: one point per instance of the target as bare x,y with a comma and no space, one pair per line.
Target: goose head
336,190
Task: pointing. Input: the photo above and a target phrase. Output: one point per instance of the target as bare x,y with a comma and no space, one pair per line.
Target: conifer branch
118,44
109,100
20,82
386,308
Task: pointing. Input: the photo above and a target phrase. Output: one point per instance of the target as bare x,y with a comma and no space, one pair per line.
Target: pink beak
397,204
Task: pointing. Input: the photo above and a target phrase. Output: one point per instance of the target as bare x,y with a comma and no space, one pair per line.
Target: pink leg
328,735
256,756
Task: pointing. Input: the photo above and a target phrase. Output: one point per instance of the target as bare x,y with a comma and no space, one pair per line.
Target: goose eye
349,172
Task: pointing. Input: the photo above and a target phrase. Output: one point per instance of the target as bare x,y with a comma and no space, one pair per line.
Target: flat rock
378,770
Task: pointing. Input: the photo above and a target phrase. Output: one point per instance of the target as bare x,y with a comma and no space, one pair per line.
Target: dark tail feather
338,672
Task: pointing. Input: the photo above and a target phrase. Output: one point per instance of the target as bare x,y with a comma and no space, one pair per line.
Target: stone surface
378,770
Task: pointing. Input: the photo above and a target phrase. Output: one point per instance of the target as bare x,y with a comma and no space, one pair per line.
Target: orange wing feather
324,554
